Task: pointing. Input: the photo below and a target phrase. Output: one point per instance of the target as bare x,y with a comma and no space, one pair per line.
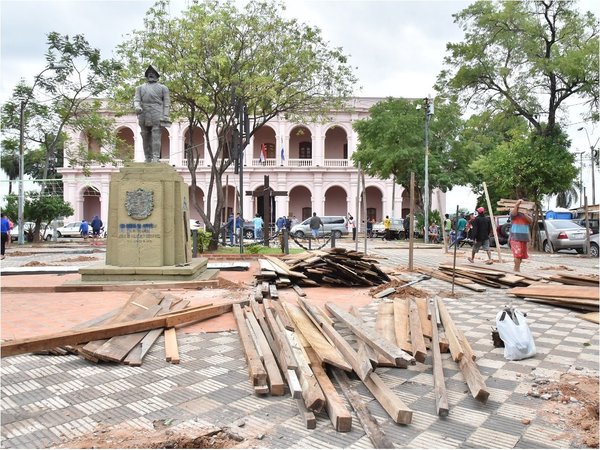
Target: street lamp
24,102
592,151
428,113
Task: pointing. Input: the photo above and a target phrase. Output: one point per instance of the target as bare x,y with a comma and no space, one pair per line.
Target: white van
334,225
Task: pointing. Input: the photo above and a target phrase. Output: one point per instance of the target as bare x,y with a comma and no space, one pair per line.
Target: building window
306,212
270,150
305,150
345,151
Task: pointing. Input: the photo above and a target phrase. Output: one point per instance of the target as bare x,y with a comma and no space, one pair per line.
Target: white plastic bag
517,337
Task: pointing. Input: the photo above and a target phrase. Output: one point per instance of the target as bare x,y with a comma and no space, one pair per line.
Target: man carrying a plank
519,234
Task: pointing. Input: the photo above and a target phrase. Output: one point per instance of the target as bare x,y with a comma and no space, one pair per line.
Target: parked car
593,224
336,225
28,228
396,229
502,230
71,229
594,248
563,234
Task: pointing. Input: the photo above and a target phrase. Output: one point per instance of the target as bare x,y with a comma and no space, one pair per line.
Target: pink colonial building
311,161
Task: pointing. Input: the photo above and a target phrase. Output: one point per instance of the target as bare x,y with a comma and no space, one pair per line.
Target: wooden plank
260,316
450,329
384,326
385,293
364,351
324,350
256,370
284,354
460,281
119,287
590,317
298,290
273,291
402,325
281,314
439,382
308,417
313,396
136,355
424,316
116,348
568,291
276,385
362,367
372,428
393,405
171,347
416,333
387,349
32,344
474,379
336,410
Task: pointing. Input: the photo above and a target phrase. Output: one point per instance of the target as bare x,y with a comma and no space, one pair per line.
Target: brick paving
48,400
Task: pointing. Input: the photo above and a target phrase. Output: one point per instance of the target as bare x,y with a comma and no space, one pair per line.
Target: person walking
5,229
352,226
480,233
519,234
258,226
316,223
406,224
84,229
446,229
370,223
238,224
230,228
461,225
387,225
96,229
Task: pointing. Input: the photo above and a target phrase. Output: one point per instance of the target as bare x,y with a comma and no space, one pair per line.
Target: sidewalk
48,400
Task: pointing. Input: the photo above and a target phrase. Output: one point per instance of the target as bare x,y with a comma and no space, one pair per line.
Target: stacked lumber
505,204
496,278
576,280
584,298
126,334
337,267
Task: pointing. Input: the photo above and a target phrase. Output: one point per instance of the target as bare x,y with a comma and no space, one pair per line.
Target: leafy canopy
215,50
392,144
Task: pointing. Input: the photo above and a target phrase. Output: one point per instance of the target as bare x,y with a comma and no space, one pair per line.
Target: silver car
594,245
564,235
336,225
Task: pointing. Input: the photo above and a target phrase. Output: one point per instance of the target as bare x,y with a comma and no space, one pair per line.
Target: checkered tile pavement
47,400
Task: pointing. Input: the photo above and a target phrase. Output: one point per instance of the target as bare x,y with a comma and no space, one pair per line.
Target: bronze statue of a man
152,106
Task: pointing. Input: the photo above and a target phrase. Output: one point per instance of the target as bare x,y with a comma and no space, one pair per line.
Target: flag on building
263,153
282,154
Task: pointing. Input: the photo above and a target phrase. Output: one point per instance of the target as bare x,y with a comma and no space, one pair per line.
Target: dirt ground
572,405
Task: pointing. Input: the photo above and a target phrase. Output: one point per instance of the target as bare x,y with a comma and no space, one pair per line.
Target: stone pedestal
148,227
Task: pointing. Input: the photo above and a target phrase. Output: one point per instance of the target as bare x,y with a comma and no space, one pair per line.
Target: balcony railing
269,162
200,162
300,162
335,163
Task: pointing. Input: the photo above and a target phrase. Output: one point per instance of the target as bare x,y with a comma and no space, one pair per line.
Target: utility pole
428,113
593,153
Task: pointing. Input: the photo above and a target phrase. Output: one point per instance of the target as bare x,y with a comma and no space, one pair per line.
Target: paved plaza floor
49,400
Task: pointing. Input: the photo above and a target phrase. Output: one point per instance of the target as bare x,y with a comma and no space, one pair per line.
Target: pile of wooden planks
125,334
336,267
487,276
297,346
575,297
576,280
505,204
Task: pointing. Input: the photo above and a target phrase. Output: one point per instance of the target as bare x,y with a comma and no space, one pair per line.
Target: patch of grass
255,249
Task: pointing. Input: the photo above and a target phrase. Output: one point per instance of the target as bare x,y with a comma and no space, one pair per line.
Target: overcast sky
397,46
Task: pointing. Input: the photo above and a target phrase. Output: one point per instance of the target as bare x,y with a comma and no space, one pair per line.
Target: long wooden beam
386,348
439,382
33,344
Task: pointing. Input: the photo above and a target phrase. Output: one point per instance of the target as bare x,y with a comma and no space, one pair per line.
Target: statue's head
151,74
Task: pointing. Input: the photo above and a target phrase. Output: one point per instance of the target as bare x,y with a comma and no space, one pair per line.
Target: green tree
527,57
40,209
215,50
392,144
528,167
61,96
9,161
